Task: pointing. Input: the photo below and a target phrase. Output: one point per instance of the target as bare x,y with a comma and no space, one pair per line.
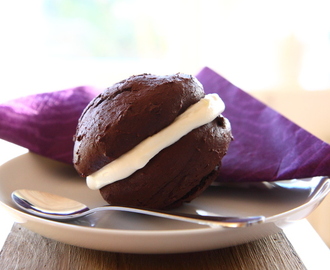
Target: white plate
280,202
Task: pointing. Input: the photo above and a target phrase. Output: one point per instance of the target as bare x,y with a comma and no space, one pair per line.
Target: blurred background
278,51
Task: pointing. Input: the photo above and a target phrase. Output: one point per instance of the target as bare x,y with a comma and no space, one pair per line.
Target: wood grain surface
27,250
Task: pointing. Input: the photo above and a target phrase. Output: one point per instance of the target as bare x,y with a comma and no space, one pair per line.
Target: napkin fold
267,146
45,123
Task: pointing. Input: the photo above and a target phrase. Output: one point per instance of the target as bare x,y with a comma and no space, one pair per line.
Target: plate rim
196,232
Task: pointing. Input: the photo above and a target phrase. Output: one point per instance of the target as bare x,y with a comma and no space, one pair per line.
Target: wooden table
24,249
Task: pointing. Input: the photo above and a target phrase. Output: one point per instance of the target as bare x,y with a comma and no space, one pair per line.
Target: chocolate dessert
120,131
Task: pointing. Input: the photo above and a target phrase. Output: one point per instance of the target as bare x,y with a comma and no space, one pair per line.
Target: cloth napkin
45,123
267,146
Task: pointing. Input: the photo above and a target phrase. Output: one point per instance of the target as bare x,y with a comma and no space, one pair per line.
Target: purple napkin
45,123
267,146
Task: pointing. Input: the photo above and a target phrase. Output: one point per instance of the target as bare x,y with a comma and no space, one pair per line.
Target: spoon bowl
59,208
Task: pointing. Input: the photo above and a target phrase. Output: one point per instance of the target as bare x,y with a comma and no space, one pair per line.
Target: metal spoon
55,207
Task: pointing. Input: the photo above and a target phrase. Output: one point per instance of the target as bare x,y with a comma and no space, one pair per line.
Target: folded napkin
267,145
45,123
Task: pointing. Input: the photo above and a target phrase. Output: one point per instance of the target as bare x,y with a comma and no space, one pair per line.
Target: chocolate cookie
131,111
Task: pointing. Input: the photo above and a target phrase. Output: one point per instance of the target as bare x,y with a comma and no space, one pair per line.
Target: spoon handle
222,221
59,208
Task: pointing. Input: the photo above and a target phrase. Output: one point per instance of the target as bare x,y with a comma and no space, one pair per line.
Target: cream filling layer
198,114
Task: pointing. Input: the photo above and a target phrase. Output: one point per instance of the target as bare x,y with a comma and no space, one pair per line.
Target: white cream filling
198,114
